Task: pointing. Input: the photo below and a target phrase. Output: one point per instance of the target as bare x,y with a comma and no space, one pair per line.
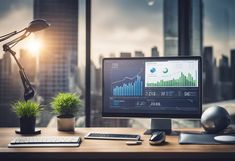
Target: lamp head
37,25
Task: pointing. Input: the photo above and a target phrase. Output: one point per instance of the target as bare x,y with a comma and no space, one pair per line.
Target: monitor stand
161,125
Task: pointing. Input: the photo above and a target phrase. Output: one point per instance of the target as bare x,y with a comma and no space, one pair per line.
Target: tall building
125,55
170,28
183,28
101,57
58,59
224,69
196,28
208,84
10,91
154,52
139,54
216,90
232,57
225,83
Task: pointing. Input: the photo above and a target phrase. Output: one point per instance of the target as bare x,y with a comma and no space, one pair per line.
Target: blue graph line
129,89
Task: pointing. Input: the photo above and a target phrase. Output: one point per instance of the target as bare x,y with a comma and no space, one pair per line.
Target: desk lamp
34,26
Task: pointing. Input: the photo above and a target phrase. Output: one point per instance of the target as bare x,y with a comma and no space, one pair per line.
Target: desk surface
107,149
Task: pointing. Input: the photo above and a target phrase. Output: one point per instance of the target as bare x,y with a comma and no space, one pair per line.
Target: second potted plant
66,105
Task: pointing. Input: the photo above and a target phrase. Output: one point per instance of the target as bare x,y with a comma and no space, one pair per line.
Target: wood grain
93,149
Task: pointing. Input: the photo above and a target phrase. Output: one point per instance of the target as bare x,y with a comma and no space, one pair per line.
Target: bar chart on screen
128,86
182,81
174,74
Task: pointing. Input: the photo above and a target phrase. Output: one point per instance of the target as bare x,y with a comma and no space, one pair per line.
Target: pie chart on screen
165,70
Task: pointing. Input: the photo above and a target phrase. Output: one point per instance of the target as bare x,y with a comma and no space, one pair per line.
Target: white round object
229,139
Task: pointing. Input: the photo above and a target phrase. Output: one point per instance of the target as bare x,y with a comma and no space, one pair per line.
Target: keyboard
45,141
109,136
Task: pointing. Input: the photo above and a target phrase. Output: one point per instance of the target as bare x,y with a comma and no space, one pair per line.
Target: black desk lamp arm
7,36
12,43
28,89
34,26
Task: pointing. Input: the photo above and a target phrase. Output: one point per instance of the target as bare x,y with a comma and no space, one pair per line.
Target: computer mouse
157,138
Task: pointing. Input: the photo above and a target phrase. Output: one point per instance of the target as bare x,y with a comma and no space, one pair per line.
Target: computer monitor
152,87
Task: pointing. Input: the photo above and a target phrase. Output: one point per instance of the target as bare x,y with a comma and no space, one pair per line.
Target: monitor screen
165,87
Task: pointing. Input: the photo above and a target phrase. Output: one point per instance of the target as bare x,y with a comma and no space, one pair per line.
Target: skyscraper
183,27
224,69
10,91
154,52
139,54
125,55
232,56
208,74
170,28
58,60
196,28
225,79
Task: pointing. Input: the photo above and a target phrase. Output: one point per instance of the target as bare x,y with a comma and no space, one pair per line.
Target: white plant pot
65,124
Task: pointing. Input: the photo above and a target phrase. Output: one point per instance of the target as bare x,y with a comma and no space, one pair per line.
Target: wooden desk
113,150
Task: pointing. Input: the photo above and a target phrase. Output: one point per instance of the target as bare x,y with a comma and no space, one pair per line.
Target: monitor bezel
154,115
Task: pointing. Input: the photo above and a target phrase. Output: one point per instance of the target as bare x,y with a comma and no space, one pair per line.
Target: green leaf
66,104
26,109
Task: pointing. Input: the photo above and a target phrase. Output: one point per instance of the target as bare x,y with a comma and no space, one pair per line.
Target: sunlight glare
33,45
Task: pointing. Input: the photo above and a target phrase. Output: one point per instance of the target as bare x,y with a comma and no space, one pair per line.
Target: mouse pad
197,138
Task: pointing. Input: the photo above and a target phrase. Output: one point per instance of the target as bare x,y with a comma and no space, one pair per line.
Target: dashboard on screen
152,87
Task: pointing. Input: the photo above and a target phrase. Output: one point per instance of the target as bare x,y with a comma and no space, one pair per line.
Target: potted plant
27,112
66,105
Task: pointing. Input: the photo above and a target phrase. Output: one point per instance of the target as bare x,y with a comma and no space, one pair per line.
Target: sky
126,26
219,29
14,16
129,25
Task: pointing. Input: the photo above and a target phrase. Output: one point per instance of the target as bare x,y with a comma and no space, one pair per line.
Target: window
138,28
57,67
123,28
119,28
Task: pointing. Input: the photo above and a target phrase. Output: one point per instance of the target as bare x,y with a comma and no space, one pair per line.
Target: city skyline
106,26
119,28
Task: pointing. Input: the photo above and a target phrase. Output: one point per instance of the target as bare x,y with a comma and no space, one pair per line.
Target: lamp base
35,132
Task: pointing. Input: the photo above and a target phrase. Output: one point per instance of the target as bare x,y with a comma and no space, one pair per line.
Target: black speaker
215,119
